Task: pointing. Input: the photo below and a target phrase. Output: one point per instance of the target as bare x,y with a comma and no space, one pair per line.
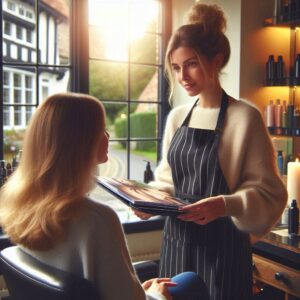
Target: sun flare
121,22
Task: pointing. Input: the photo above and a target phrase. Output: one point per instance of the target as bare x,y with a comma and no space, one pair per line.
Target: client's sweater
95,248
257,194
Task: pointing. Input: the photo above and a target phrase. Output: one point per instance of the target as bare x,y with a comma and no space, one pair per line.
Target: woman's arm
258,196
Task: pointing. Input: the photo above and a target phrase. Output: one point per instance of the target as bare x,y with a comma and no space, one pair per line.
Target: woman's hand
159,285
142,215
203,211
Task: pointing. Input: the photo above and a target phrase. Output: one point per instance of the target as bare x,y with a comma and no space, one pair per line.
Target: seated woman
44,208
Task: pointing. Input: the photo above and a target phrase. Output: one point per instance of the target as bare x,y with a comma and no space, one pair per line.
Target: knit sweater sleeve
258,196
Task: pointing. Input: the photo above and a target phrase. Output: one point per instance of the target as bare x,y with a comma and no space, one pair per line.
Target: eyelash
190,64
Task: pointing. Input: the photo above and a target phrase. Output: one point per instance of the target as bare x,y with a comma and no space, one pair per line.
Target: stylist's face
188,70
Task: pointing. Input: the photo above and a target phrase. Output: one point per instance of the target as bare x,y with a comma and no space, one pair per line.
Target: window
11,5
29,14
7,28
22,70
21,11
125,72
19,32
123,68
28,36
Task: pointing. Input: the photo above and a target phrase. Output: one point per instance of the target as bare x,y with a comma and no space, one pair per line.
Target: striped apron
218,251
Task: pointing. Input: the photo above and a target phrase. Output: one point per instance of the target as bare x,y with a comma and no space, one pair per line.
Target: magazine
141,196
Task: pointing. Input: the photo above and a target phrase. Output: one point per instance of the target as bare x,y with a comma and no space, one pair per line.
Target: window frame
79,63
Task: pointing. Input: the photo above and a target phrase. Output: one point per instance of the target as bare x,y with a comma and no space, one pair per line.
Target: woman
218,157
44,207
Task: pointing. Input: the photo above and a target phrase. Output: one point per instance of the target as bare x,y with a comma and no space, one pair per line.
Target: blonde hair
204,33
55,172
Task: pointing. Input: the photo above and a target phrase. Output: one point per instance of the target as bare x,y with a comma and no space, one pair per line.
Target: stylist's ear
219,61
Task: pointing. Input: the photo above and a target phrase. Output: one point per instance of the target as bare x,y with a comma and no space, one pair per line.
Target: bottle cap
294,203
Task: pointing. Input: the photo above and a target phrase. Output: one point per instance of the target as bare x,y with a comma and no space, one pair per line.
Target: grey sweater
95,248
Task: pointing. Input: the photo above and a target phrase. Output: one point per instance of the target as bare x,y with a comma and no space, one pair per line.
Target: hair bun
210,16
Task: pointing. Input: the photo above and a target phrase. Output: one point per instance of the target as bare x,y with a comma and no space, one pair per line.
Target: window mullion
79,46
1,84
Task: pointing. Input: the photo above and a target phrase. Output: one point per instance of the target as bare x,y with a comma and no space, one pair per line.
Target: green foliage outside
12,142
108,81
142,124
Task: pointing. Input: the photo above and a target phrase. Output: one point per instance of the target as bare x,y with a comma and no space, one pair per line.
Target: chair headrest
25,274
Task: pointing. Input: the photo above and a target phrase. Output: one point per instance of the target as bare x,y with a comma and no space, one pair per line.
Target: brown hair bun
210,16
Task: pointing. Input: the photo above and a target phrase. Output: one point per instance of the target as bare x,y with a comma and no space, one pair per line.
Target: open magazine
141,196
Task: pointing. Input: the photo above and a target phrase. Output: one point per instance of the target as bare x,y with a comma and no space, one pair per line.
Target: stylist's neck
211,97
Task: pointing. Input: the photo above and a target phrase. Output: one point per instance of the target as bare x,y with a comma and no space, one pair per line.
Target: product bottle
284,10
284,119
290,115
296,122
293,220
270,117
280,164
148,174
292,9
280,70
278,117
297,67
271,70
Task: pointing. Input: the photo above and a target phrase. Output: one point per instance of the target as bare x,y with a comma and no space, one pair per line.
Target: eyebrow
187,60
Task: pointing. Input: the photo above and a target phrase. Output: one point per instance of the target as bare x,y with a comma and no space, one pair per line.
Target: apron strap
187,118
221,117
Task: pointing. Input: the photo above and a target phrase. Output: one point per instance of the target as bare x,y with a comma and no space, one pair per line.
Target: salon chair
29,279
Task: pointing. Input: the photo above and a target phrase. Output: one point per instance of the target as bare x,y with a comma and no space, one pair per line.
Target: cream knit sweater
257,194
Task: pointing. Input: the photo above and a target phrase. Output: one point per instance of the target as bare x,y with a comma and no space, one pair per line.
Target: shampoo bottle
290,115
293,219
278,117
271,70
280,162
297,68
296,122
284,119
148,174
280,70
270,117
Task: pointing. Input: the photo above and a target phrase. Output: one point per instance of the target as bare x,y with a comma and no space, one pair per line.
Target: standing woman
217,156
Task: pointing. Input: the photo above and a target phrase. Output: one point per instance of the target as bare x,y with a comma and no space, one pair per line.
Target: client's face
103,148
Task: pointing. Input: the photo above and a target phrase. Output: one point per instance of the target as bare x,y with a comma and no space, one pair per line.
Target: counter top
279,247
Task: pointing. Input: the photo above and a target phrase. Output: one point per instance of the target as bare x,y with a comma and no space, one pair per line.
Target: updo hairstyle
204,32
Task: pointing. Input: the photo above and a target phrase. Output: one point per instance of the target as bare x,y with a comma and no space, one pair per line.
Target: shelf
278,22
288,82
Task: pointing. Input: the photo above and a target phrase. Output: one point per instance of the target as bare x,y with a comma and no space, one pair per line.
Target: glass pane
147,22
140,153
143,121
108,43
143,83
12,138
116,166
108,29
108,80
52,81
54,33
116,119
19,31
146,49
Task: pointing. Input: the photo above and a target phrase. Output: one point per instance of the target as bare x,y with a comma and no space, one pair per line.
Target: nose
183,74
107,134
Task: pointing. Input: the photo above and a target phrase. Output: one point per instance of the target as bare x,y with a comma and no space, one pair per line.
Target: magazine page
140,195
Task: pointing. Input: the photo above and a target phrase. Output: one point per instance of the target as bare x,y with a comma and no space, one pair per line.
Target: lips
188,86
